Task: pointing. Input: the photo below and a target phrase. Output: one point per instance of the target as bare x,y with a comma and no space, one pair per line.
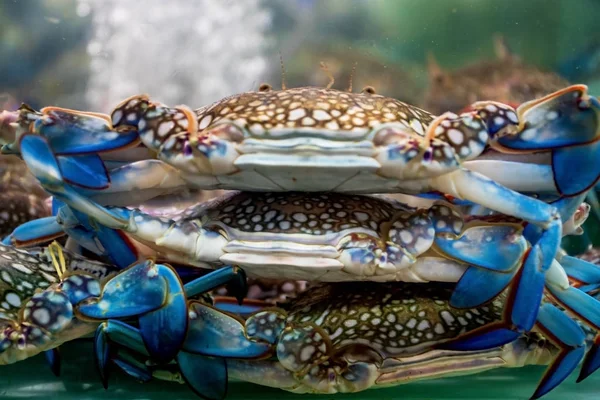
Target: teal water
32,379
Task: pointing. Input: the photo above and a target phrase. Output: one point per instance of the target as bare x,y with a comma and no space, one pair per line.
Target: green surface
33,379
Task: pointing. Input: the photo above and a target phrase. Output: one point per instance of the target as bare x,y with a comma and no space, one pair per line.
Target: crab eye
428,155
265,87
187,149
368,90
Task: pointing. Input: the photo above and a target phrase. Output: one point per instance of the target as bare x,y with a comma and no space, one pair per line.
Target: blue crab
336,237
333,338
86,160
24,276
314,139
351,337
47,295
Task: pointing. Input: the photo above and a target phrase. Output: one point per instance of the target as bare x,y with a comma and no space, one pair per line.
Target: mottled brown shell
390,317
310,107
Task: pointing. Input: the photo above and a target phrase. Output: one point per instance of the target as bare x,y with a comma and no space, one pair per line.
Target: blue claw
496,249
41,161
206,376
569,336
164,330
120,333
54,360
576,169
86,171
73,132
135,291
581,270
102,353
154,294
43,164
37,231
214,333
479,285
482,339
548,120
529,292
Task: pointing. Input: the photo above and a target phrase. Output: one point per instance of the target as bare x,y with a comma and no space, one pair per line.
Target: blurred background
439,54
90,54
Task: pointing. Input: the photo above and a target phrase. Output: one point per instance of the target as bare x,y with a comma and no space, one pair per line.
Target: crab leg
249,346
75,179
586,308
569,337
43,296
45,166
496,254
496,258
35,232
540,125
576,301
69,132
154,293
157,294
138,182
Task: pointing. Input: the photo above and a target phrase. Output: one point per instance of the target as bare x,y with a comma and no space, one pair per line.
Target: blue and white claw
41,289
72,304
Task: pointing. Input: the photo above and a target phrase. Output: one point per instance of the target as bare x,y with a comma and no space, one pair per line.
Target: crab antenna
59,264
283,86
329,74
351,76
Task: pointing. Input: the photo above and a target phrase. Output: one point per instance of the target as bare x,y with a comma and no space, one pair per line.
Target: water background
89,54
32,379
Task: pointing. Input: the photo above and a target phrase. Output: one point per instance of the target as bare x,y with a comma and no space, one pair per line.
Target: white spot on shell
455,136
306,353
406,236
296,114
117,115
41,315
300,217
13,299
205,122
165,127
423,325
321,115
332,125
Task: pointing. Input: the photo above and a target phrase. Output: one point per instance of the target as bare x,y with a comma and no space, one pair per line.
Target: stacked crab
464,279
